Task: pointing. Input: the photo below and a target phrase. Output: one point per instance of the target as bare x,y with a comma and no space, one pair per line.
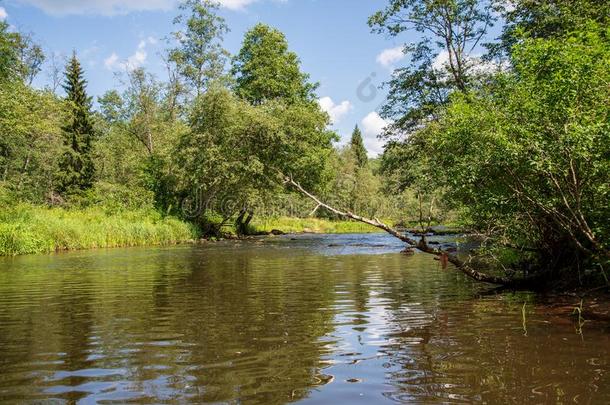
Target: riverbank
289,225
27,229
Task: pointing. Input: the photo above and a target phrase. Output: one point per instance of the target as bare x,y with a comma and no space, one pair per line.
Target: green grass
311,225
28,229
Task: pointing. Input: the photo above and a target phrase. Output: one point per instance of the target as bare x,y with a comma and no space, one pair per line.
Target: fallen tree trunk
421,245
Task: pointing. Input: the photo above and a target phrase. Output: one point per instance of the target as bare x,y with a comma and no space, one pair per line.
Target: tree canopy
265,69
198,57
523,154
444,60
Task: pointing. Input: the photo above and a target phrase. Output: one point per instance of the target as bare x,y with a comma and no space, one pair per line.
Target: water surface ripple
317,319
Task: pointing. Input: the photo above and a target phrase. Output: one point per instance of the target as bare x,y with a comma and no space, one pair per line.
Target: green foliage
77,164
358,149
20,58
8,52
301,144
528,155
199,58
30,140
547,19
119,157
521,151
215,157
265,69
365,190
235,152
310,225
410,170
116,198
138,135
450,28
157,145
25,229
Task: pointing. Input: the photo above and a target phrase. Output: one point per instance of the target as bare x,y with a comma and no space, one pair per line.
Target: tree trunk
242,222
24,171
249,218
239,222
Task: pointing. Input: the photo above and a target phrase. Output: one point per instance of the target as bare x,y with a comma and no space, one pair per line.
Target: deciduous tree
199,57
265,69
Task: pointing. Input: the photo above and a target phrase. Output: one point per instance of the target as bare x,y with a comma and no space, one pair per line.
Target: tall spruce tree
358,149
77,165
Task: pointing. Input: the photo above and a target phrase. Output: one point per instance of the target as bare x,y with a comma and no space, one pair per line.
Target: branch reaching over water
422,245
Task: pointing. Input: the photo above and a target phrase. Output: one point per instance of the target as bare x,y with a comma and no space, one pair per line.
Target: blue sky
331,37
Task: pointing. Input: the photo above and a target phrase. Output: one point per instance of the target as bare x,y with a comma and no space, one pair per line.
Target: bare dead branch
422,245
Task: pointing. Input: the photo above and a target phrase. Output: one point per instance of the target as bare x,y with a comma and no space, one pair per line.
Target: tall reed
27,229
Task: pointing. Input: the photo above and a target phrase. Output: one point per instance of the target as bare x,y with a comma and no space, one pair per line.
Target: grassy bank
311,225
27,229
315,225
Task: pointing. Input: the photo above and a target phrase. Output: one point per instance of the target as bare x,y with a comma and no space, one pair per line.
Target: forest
511,145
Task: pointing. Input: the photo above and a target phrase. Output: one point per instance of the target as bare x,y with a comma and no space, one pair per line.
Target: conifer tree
77,165
358,149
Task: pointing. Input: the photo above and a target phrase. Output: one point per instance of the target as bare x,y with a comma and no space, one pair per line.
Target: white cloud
114,7
478,66
111,62
441,61
390,56
138,59
373,126
241,4
335,111
510,6
236,4
3,14
475,65
90,55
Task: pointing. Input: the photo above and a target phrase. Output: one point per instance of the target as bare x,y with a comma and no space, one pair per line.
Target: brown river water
311,319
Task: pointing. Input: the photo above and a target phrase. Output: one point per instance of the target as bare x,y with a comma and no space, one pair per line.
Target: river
311,319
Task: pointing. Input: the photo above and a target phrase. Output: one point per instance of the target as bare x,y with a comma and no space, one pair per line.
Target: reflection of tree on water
254,325
75,310
31,332
205,325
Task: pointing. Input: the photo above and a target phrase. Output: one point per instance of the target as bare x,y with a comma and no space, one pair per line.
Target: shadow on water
315,319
